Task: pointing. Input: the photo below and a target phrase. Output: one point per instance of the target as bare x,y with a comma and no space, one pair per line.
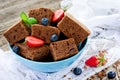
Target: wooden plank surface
10,10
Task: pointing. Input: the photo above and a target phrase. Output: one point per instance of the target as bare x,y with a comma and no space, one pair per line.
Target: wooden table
10,10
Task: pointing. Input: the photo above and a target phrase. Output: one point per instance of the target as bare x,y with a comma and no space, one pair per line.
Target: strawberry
34,42
98,60
58,15
92,61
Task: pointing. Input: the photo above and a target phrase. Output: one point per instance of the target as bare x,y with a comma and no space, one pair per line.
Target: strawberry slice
58,15
34,42
92,61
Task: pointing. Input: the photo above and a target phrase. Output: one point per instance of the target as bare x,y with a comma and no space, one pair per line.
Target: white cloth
101,17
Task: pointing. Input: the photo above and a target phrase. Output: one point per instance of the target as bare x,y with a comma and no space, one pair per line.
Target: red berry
92,61
34,42
98,60
58,15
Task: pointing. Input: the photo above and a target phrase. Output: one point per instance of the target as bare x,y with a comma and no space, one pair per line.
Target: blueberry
54,37
44,21
77,71
16,49
111,75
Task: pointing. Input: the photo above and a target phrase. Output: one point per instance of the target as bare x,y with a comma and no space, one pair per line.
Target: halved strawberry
34,42
58,15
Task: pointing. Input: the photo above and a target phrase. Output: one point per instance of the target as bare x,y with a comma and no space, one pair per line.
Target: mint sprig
28,20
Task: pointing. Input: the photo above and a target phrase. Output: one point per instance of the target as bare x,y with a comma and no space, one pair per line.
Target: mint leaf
24,17
32,20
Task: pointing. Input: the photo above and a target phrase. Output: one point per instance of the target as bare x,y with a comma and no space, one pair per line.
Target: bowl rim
86,40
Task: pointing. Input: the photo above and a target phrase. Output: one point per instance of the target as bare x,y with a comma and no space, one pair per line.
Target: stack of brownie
74,32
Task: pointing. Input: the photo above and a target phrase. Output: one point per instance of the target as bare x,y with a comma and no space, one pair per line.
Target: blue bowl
51,66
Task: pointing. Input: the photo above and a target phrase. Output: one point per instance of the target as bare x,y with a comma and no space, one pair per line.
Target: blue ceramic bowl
51,66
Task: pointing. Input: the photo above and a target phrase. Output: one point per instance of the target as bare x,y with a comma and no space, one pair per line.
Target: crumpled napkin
104,23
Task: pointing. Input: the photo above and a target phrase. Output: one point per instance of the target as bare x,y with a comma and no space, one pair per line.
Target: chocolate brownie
34,53
44,32
63,49
41,13
16,32
72,28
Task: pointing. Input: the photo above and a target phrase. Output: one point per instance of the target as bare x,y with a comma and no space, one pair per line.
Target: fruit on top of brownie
16,49
40,13
32,41
58,15
46,33
63,49
44,21
16,32
72,28
34,53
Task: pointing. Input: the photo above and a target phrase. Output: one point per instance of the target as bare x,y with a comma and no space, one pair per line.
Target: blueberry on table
44,21
54,37
16,49
77,71
111,75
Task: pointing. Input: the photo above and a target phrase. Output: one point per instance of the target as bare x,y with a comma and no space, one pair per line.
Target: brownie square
16,32
63,49
72,28
41,13
34,53
44,32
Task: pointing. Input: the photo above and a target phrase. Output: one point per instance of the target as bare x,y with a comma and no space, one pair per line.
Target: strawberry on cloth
97,60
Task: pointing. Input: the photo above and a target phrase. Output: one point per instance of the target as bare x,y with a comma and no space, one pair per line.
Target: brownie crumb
69,78
101,74
85,67
64,76
93,77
